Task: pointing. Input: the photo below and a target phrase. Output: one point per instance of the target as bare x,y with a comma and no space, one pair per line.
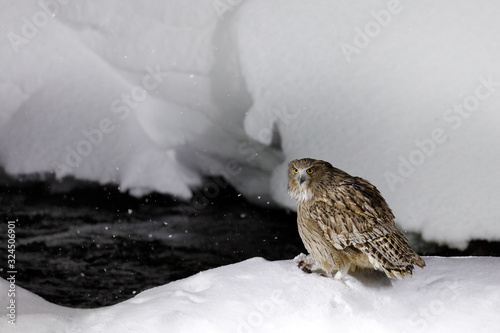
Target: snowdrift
154,96
449,295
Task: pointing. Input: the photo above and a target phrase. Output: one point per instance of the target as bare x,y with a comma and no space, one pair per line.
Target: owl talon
305,269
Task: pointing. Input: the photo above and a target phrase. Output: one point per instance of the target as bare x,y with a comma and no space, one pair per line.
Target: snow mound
449,295
154,96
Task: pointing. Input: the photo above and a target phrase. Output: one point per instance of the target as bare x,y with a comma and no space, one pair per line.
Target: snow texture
153,96
449,295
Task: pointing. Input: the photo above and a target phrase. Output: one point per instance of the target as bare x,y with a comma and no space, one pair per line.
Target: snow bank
403,94
152,96
449,295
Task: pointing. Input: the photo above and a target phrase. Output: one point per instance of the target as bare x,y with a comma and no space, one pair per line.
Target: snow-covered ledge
449,295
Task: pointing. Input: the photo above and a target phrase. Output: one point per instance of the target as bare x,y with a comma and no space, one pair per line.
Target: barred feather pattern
345,223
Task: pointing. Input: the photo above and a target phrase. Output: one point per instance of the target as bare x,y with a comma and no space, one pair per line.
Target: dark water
94,246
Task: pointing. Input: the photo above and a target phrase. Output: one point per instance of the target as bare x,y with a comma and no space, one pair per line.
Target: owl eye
295,170
310,170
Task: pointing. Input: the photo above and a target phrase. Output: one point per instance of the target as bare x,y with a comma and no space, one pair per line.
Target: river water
94,246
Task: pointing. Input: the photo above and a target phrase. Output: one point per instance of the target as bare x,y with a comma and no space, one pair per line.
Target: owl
345,223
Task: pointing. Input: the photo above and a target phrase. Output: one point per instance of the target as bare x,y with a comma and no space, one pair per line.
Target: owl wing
355,214
345,227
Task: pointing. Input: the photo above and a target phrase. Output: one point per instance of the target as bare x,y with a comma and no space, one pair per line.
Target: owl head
307,177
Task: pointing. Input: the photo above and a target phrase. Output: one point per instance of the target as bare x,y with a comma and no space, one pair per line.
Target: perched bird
345,223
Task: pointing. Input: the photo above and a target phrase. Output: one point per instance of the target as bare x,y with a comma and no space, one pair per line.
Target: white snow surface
154,95
449,295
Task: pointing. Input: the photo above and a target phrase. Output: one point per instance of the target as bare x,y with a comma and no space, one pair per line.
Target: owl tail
394,256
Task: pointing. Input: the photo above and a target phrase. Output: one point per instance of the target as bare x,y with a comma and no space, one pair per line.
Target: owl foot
304,262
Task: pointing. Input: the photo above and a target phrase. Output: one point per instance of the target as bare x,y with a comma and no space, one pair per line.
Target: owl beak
302,179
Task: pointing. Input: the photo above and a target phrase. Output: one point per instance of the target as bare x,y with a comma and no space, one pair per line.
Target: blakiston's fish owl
345,223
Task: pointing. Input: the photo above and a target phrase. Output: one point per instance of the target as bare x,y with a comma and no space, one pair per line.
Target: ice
450,294
154,96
